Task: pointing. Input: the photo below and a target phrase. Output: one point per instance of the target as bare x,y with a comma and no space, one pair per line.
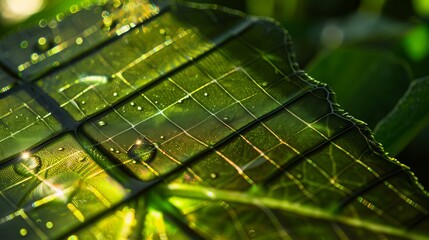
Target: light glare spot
18,10
332,36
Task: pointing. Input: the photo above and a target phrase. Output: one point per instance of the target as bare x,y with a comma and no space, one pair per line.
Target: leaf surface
406,119
191,121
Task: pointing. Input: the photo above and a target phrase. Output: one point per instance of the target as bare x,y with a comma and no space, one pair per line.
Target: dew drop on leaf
23,232
214,175
206,94
28,165
139,108
101,123
94,79
49,225
142,151
60,149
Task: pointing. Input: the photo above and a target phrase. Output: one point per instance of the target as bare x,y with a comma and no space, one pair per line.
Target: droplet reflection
28,165
142,151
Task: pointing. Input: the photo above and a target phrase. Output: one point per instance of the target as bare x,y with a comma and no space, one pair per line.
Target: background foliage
381,46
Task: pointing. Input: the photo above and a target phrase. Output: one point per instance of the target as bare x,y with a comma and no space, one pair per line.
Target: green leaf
188,121
406,119
367,83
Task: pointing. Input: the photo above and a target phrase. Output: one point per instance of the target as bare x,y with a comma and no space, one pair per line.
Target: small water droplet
60,149
28,165
139,108
83,102
112,149
132,104
52,24
162,137
23,232
264,84
142,151
49,225
162,31
24,44
206,94
225,118
101,123
117,151
79,41
43,23
180,101
214,175
115,94
42,44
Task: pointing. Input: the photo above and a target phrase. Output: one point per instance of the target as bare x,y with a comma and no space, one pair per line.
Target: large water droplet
28,165
142,151
61,188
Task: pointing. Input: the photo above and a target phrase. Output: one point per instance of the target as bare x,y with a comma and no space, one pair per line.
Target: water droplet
43,23
112,149
28,165
132,104
42,44
214,175
206,94
101,123
162,31
225,118
23,232
49,225
180,101
115,94
52,24
142,150
73,237
139,108
79,41
264,84
24,44
60,149
162,137
83,102
117,151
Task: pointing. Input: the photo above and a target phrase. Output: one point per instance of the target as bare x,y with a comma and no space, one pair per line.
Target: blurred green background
368,51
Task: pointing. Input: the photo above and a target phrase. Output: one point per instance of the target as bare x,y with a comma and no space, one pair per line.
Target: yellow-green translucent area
121,224
23,123
53,190
6,82
134,220
54,42
248,221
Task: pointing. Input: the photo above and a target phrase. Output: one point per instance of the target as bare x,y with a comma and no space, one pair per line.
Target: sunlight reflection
18,10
